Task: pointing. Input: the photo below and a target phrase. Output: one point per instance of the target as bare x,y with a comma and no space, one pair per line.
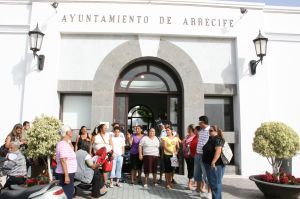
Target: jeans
199,170
117,167
68,188
215,176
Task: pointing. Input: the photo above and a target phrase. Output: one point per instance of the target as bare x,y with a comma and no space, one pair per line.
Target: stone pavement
234,187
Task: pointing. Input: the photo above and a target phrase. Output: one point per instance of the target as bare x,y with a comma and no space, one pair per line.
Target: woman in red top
189,150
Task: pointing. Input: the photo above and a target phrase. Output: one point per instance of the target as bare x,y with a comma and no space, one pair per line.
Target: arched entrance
147,93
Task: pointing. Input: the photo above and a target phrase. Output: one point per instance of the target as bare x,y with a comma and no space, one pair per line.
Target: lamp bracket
253,64
40,61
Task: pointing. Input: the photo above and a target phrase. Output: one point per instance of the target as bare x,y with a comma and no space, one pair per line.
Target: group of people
201,148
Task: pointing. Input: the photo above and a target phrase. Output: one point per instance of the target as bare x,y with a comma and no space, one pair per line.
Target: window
219,110
76,110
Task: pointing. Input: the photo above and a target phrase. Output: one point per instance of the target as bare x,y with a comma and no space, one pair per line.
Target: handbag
226,154
3,151
107,165
174,161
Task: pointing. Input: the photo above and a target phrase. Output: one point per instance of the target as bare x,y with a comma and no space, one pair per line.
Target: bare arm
92,142
216,156
7,141
65,169
140,152
130,139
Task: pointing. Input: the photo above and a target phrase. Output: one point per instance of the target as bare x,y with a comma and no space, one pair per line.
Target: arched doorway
151,90
147,93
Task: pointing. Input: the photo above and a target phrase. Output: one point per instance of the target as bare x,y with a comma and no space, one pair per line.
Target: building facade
142,62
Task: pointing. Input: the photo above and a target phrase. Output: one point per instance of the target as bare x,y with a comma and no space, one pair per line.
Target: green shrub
276,141
43,136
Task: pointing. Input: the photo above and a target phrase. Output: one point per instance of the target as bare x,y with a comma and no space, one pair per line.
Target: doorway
148,93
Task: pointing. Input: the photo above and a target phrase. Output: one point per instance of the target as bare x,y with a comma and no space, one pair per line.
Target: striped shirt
203,138
64,150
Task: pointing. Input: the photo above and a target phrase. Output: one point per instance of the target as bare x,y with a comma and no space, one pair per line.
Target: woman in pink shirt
66,161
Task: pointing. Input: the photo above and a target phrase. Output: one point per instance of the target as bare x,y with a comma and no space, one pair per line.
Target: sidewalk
234,187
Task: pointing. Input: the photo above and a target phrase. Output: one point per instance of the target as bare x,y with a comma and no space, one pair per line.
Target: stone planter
274,190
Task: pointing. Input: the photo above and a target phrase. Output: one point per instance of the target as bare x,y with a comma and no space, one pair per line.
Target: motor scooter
47,191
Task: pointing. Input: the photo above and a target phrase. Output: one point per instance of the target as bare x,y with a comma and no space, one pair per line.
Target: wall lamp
36,40
260,43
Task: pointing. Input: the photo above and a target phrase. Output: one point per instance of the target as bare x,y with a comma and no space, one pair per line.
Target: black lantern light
260,43
36,40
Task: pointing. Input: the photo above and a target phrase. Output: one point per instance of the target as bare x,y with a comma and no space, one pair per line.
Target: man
26,127
199,171
17,168
88,172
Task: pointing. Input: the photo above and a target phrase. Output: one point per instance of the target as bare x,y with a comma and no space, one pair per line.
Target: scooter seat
20,193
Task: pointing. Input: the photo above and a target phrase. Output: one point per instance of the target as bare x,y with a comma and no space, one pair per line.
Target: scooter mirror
11,156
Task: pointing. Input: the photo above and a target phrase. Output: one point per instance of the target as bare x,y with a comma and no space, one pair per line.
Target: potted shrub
42,138
276,141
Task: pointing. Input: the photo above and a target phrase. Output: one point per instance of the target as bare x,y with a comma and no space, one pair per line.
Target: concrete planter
274,190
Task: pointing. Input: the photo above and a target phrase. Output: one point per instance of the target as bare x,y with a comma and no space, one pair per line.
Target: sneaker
155,184
145,186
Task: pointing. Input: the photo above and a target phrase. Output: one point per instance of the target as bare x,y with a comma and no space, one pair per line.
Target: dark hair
116,128
85,147
80,131
100,127
169,127
114,124
198,128
25,123
139,126
130,131
204,119
95,131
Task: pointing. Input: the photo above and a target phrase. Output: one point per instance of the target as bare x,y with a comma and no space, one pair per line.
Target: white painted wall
215,58
74,51
81,55
13,51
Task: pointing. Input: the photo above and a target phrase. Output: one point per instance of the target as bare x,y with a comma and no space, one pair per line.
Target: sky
273,2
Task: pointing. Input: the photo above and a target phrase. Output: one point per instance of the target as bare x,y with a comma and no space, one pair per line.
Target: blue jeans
214,176
117,167
199,170
68,188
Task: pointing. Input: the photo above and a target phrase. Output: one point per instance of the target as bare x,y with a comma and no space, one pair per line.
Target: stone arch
110,68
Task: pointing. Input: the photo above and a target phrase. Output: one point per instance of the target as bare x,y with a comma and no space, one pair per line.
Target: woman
118,149
66,161
189,144
149,153
136,163
16,169
15,135
171,147
83,138
101,138
212,161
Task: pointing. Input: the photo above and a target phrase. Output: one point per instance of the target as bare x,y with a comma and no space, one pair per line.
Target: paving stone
234,187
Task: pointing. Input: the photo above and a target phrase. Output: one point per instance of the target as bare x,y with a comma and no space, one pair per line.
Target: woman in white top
149,153
101,138
118,148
